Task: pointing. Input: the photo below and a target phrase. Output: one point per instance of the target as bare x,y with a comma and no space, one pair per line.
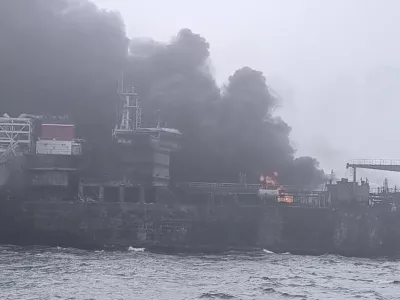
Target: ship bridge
143,153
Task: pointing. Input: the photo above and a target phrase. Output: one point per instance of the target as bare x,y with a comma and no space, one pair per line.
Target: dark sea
59,273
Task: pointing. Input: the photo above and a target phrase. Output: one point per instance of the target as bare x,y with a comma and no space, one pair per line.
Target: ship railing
315,201
383,190
105,182
97,182
91,181
213,185
227,186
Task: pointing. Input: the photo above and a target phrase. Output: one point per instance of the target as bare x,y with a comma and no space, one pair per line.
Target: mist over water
57,273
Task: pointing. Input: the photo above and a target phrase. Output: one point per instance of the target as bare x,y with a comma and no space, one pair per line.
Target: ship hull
4,175
279,228
11,173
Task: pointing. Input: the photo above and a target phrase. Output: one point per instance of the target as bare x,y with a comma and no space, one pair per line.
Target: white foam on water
136,249
267,251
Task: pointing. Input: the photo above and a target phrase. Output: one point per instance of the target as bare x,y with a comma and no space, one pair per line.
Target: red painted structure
58,132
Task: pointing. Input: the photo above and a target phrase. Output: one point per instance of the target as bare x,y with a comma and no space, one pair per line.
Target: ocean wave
216,296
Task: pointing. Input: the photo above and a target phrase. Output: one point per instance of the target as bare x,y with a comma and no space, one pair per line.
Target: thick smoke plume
64,57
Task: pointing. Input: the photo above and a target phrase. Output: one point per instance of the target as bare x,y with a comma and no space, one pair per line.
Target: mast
130,106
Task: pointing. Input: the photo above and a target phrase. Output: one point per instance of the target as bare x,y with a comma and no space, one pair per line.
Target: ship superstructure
52,166
143,157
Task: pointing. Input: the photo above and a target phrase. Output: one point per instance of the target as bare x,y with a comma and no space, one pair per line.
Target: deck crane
374,164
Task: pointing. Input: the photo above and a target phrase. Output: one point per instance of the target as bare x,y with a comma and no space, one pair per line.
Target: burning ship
46,199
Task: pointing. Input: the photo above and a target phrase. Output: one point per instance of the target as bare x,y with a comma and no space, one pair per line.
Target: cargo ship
47,199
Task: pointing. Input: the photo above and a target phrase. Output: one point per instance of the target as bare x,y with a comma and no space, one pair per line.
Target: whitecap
267,251
136,249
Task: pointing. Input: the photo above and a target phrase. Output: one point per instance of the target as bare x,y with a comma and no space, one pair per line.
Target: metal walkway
375,164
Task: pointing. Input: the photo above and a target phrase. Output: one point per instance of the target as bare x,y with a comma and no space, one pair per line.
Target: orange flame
286,199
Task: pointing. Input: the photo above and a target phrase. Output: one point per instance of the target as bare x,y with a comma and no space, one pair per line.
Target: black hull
363,232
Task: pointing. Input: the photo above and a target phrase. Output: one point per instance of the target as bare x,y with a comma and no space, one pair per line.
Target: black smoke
62,57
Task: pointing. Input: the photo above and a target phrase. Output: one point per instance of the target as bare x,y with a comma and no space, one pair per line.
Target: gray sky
335,63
